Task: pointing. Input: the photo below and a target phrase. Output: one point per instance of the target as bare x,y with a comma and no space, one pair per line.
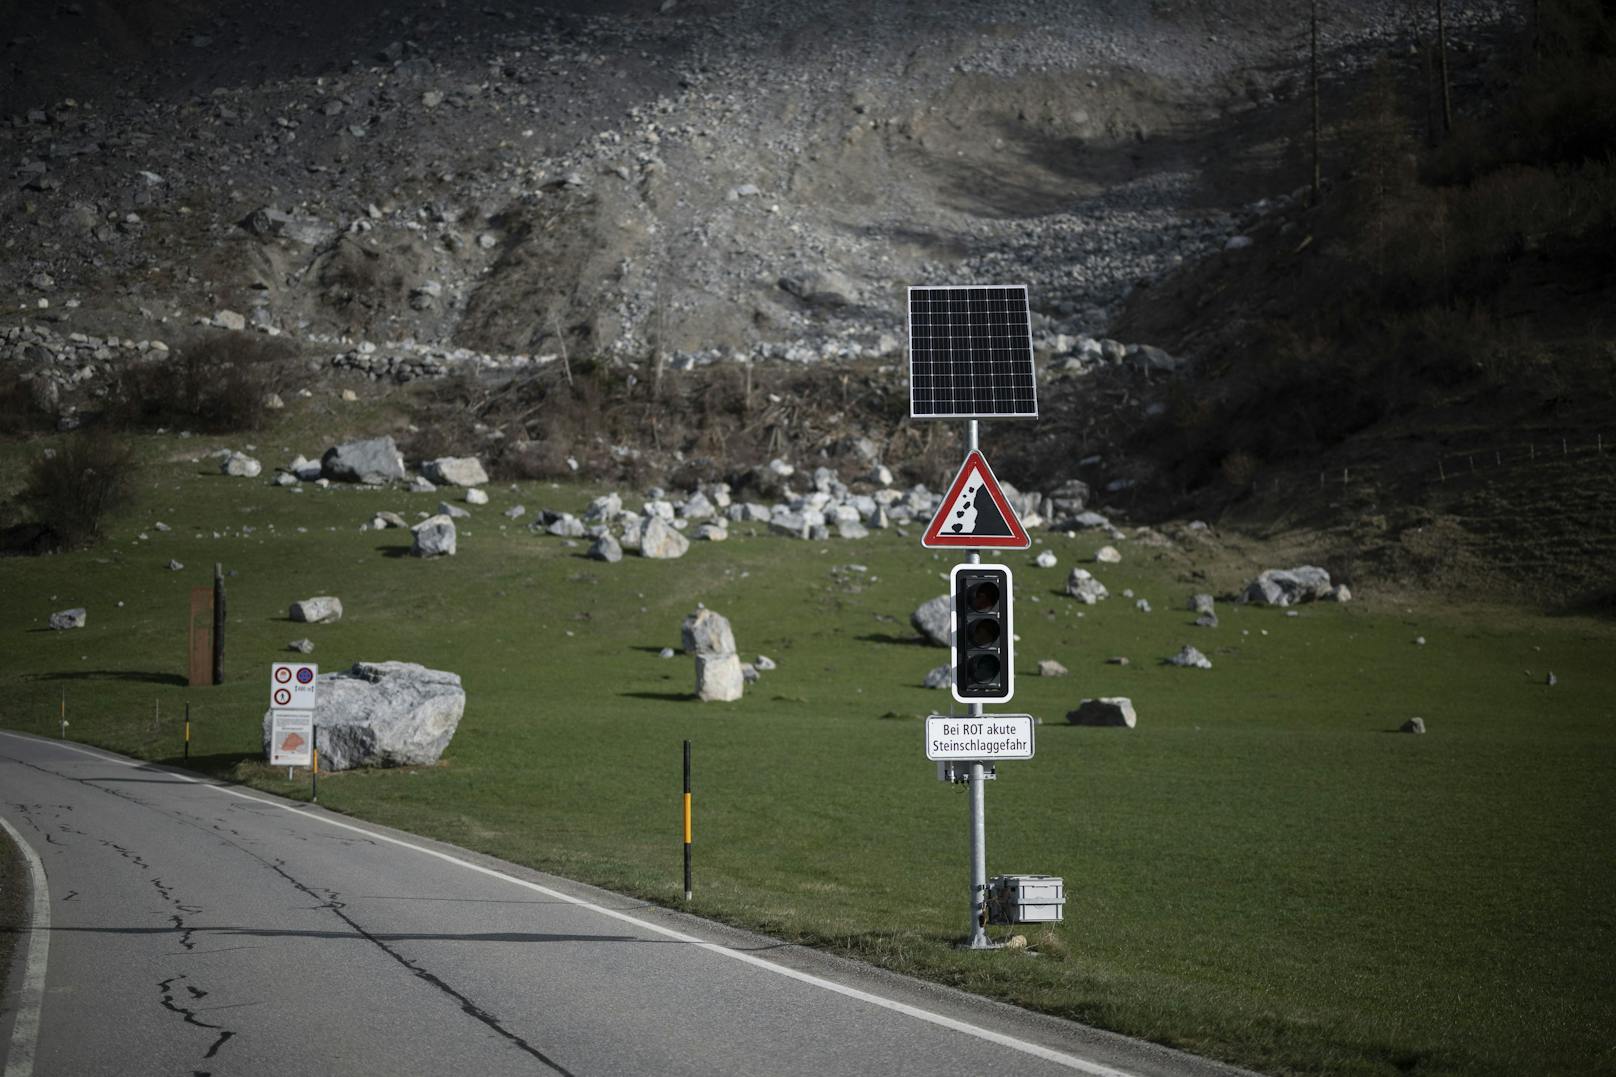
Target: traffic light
982,634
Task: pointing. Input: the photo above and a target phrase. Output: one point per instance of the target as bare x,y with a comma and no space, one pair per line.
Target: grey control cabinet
1025,899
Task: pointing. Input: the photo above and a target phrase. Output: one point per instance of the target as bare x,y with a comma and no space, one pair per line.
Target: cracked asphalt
201,929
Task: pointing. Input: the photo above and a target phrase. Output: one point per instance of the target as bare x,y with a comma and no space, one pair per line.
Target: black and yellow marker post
687,820
314,758
187,731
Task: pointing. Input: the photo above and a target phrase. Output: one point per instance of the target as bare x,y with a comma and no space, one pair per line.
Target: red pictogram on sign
975,514
283,674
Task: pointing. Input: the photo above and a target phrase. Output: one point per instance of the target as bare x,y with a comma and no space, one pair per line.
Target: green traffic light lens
983,597
983,668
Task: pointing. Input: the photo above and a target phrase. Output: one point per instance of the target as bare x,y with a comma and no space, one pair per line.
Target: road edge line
31,995
1028,1047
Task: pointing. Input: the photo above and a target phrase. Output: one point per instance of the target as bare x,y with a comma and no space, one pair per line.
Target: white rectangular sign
291,739
292,686
988,737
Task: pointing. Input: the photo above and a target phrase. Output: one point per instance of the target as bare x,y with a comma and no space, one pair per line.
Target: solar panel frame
970,352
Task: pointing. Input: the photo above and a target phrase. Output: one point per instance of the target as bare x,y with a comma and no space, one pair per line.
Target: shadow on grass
393,551
650,650
136,675
662,697
901,641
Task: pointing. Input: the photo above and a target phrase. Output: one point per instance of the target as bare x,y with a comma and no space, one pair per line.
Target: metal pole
979,834
687,820
218,623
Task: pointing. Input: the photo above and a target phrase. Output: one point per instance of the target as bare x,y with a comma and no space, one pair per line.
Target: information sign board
986,737
291,739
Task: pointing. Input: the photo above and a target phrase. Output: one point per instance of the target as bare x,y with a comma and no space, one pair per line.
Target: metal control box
1025,899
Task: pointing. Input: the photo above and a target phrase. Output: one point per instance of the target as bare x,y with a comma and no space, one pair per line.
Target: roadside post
687,820
187,731
292,694
970,358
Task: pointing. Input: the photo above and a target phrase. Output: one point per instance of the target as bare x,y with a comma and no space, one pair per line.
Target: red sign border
934,539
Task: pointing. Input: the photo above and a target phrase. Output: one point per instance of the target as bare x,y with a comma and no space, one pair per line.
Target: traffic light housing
981,635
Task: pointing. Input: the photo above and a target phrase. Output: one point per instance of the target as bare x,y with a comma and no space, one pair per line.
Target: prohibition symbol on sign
283,674
304,674
282,697
975,513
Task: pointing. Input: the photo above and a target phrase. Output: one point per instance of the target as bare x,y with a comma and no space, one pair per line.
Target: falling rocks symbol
976,513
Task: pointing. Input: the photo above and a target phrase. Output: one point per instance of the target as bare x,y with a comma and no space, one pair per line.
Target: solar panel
970,353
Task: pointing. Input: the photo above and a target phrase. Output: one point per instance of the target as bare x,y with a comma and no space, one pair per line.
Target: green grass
1262,871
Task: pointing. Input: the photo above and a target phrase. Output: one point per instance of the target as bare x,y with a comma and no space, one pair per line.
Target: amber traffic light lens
983,633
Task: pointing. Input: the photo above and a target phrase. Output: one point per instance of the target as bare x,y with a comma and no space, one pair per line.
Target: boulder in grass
661,542
1082,585
931,619
475,496
384,714
450,509
373,461
240,465
606,549
1190,658
301,646
433,537
1288,586
939,677
707,632
74,618
1048,667
455,471
1114,711
1108,555
321,609
719,678
1201,603
1413,725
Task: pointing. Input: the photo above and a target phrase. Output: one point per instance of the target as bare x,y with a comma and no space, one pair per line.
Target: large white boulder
931,619
719,678
433,537
1106,711
373,461
384,714
240,465
321,609
74,618
661,542
707,632
455,471
1288,586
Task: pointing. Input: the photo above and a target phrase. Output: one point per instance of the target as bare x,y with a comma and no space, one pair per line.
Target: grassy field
1263,871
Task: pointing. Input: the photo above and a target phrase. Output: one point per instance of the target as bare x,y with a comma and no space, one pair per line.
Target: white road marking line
25,1032
1060,1058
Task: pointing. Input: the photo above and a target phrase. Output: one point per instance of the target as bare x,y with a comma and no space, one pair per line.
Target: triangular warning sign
975,513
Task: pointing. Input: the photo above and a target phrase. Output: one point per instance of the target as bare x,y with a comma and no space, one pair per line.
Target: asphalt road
198,928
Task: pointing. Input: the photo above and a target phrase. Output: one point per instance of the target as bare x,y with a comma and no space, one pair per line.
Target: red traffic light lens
983,597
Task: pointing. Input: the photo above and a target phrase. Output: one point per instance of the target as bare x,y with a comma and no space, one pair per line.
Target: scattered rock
1341,593
240,465
606,548
1551,680
765,663
1201,603
1413,725
1082,585
385,714
1107,555
1288,586
322,609
666,652
931,619
515,512
661,542
1117,660
301,646
373,461
719,678
1143,605
433,537
420,484
74,618
1108,711
455,471
453,511
229,319
1190,658
939,677
475,496
1048,667
174,566
1206,620
1045,559
391,519
707,632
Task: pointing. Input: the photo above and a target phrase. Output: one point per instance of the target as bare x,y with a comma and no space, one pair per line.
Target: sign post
292,693
970,357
